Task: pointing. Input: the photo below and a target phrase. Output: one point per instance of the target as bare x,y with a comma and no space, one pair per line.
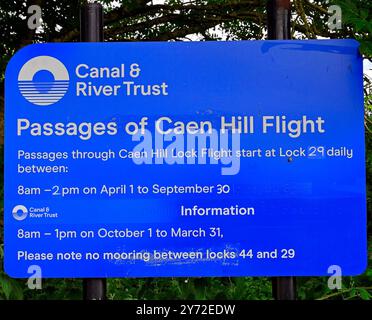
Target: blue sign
185,159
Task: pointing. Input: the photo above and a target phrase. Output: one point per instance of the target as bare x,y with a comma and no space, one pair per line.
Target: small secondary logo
20,212
43,80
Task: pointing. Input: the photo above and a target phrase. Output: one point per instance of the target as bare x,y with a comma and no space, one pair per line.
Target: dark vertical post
91,30
279,19
91,23
284,288
94,289
279,28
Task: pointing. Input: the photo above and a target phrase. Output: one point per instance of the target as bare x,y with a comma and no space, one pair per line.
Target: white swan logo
43,93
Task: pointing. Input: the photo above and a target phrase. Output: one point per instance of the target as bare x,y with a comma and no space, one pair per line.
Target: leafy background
133,20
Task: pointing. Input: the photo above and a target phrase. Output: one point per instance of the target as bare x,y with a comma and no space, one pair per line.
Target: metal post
279,28
279,19
91,23
91,30
284,288
94,289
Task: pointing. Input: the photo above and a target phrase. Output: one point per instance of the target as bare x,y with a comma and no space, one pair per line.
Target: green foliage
357,17
53,289
353,288
9,288
190,288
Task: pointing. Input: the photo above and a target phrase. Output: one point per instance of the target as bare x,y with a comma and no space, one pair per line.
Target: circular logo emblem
20,212
43,80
